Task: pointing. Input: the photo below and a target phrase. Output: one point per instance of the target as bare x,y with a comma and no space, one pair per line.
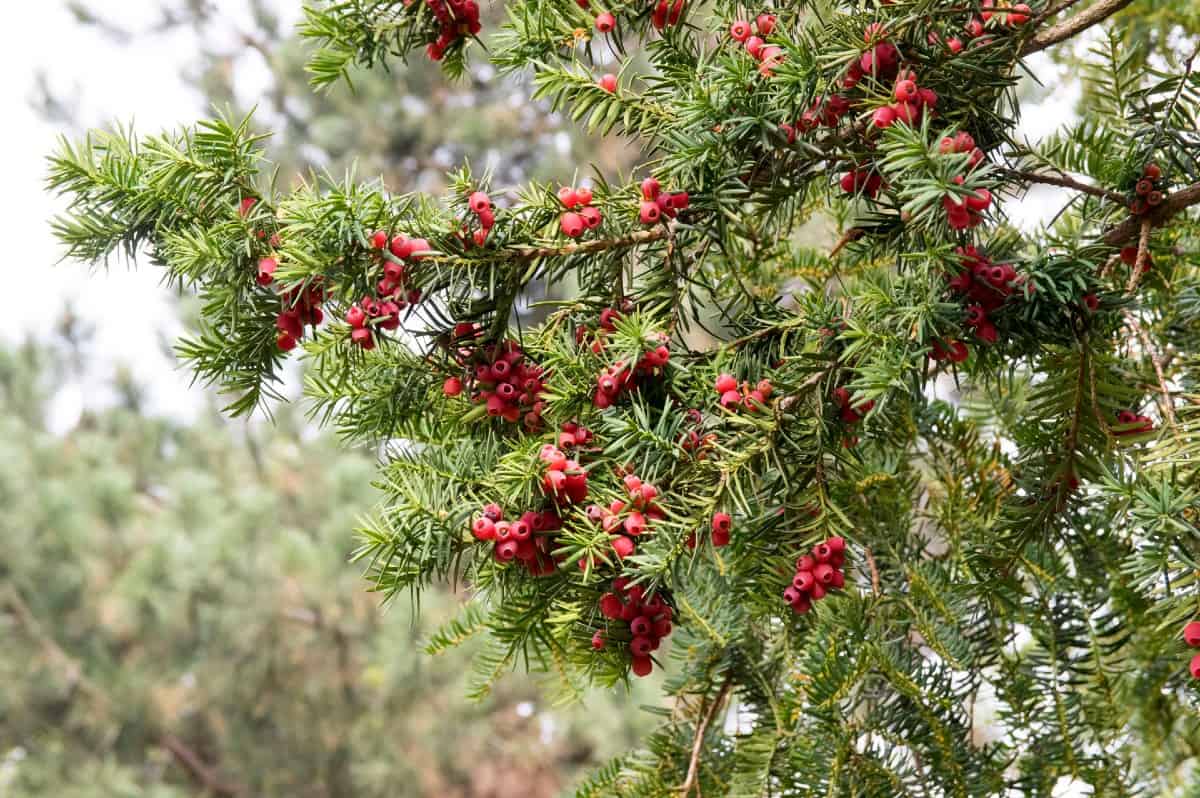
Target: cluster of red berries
502,379
302,306
481,205
880,60
985,286
827,112
967,212
1132,423
1010,16
1129,258
630,519
768,55
393,292
666,12
910,102
579,214
720,529
732,395
817,574
647,620
1149,190
366,316
692,440
565,481
657,203
573,435
456,19
862,180
619,378
607,325
850,414
1191,636
527,539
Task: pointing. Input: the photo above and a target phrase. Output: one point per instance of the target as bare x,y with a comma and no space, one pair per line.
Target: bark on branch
1072,26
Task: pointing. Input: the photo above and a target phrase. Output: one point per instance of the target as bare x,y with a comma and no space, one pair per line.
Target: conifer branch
1174,203
1066,181
1073,26
693,770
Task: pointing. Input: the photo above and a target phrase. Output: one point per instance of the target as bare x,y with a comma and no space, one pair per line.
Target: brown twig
1065,181
849,237
698,742
1072,26
599,245
1143,252
201,773
1167,404
874,569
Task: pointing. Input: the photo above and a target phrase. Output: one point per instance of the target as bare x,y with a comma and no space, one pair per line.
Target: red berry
572,224
484,529
598,641
1194,667
379,239
765,24
803,581
479,202
1152,171
731,399
568,197
285,341
452,386
726,382
623,546
649,213
906,91
740,30
266,270
611,606
719,538
641,666
754,45
608,82
954,44
1191,634
605,22
591,217
883,117
650,188
363,338
721,522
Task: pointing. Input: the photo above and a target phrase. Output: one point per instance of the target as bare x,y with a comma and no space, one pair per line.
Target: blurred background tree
410,125
180,618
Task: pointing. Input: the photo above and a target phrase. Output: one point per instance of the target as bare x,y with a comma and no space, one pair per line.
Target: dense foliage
962,453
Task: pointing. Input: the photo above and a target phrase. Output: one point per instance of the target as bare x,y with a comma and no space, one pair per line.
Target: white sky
129,310
131,313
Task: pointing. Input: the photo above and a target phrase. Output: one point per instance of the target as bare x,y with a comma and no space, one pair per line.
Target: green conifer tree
945,468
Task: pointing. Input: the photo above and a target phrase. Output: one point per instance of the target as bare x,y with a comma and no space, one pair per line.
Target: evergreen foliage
1016,484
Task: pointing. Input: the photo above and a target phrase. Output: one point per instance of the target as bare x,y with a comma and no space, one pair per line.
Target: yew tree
914,512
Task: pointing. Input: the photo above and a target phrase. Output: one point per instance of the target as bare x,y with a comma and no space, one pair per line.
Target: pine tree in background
925,513
180,618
